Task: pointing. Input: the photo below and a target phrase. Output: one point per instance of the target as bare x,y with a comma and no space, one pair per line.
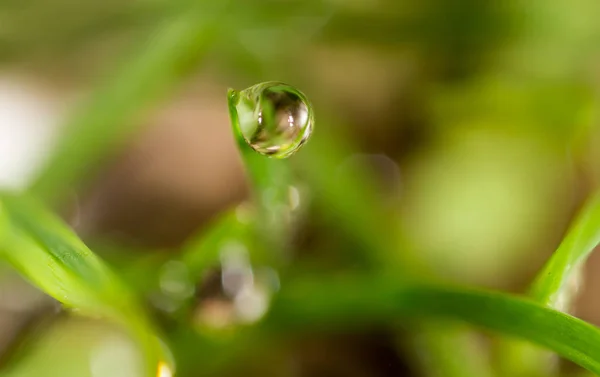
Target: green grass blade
270,180
48,253
551,285
172,51
352,302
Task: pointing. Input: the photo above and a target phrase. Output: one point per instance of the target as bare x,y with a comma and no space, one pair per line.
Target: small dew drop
275,119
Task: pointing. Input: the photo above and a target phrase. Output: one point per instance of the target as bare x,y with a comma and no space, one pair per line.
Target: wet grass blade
270,180
50,255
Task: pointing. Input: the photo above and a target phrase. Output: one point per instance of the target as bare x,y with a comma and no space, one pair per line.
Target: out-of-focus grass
44,251
554,285
112,114
494,129
78,347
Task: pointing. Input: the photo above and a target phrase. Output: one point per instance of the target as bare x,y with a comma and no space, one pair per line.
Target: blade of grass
552,287
270,182
350,303
170,53
552,283
353,302
48,253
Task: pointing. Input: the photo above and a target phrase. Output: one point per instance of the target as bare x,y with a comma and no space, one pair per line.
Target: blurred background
473,122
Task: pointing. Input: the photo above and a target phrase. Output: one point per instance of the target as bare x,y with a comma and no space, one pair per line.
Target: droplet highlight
274,119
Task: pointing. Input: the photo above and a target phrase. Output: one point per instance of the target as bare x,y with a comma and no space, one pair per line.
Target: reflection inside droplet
275,119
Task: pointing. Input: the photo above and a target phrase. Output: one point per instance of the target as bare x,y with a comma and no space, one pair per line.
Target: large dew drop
275,119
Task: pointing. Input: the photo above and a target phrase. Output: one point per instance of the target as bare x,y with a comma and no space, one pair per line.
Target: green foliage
361,300
44,250
48,253
552,285
113,112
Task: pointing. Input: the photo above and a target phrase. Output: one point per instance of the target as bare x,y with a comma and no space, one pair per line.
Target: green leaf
552,284
50,255
169,54
354,302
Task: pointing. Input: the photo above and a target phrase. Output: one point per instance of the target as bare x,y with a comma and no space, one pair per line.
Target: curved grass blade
353,302
551,285
48,254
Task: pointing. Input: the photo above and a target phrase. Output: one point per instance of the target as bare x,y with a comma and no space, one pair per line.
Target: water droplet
275,119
